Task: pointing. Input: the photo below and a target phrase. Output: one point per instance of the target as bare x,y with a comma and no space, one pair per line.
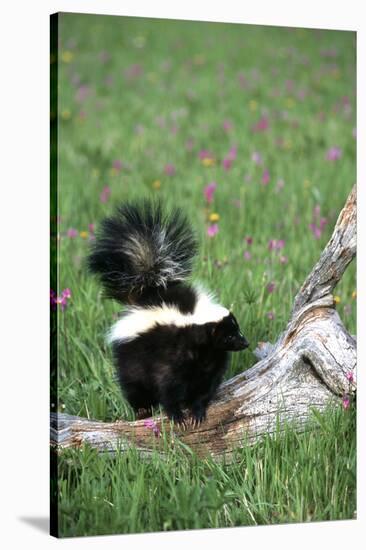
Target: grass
152,93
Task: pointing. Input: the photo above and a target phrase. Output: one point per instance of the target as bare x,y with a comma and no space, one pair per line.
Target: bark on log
309,366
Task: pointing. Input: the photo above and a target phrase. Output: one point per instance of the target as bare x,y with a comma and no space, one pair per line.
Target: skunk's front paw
197,417
143,413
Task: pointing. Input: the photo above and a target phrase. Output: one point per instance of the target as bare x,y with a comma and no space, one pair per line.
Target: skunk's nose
243,342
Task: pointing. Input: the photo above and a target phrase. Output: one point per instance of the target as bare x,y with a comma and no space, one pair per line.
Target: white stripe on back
138,320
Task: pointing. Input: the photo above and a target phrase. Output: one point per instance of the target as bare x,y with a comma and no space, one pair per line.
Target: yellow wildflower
84,234
156,184
66,114
354,294
214,217
253,104
67,56
288,144
208,161
337,299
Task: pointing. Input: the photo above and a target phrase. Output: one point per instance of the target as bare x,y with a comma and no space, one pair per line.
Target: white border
24,272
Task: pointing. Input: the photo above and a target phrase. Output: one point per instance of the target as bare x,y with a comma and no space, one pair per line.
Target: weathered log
312,364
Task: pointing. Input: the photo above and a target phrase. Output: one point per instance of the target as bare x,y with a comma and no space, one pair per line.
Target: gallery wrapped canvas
203,295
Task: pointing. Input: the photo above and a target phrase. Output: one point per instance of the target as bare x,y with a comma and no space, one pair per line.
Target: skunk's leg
171,403
139,399
198,412
143,412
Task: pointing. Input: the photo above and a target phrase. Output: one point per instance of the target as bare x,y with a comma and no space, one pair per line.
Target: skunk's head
226,335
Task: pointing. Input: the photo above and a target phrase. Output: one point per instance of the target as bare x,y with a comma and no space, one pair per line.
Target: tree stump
311,365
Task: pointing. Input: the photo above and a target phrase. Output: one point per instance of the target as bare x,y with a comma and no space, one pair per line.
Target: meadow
251,131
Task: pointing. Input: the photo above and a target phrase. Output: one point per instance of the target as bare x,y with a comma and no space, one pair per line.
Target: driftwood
312,364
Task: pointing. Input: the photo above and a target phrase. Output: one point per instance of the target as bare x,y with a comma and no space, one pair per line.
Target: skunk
171,343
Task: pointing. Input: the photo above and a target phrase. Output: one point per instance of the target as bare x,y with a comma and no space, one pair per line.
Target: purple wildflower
117,165
276,244
247,255
249,240
209,191
271,286
334,153
72,233
82,93
257,157
151,425
212,230
134,71
60,300
350,377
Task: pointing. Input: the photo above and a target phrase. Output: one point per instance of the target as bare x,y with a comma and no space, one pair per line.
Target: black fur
140,252
143,258
177,367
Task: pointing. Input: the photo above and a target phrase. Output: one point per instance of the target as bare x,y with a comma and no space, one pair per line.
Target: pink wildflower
82,93
346,402
72,233
350,377
151,425
261,126
275,244
117,165
283,259
169,169
105,194
334,153
60,300
205,154
66,293
257,157
265,177
209,191
212,230
247,255
232,153
226,164
249,240
91,227
271,315
227,125
134,71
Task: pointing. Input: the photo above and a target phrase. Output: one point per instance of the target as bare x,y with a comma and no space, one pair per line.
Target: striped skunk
171,343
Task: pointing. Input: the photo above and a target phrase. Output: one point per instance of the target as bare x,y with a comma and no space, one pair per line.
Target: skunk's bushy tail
140,249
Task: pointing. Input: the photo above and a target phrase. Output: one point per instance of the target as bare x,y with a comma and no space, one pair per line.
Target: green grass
287,478
193,77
